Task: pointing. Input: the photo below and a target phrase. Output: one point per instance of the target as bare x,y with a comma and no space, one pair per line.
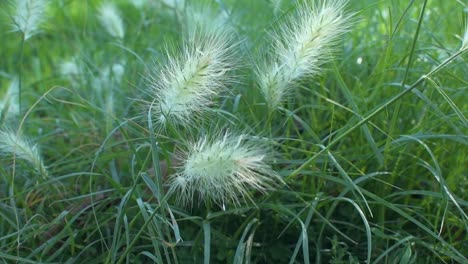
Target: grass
371,153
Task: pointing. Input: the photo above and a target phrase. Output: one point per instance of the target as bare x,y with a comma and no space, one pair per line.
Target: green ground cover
164,132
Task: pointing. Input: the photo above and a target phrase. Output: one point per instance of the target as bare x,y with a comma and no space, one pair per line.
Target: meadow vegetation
233,131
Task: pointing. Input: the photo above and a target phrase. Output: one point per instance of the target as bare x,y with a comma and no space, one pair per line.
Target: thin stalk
157,170
20,73
11,189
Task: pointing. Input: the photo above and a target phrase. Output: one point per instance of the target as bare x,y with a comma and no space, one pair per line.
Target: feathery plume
184,88
117,71
301,47
110,19
13,143
69,67
139,3
27,16
71,70
222,170
106,87
9,103
464,45
109,77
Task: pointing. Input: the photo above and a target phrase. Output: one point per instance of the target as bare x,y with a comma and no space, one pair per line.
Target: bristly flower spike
110,18
9,107
184,88
27,16
222,169
301,47
15,144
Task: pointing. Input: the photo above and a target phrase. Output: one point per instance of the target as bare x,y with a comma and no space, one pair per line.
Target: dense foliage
233,131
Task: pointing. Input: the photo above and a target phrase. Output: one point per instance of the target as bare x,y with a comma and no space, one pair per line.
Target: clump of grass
301,46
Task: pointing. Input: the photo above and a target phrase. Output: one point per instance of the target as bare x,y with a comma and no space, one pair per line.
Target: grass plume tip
222,169
185,87
9,103
464,45
301,47
27,16
203,18
111,21
15,144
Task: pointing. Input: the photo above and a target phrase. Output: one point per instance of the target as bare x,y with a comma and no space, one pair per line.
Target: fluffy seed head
69,67
110,18
27,16
221,170
71,70
465,38
184,88
9,106
139,3
301,47
176,4
106,86
13,143
203,18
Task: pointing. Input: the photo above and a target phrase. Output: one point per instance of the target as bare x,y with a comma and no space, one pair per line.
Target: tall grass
233,131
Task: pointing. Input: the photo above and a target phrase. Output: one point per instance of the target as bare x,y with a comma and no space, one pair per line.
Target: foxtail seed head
222,169
27,16
184,89
301,47
465,38
110,18
9,106
12,143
